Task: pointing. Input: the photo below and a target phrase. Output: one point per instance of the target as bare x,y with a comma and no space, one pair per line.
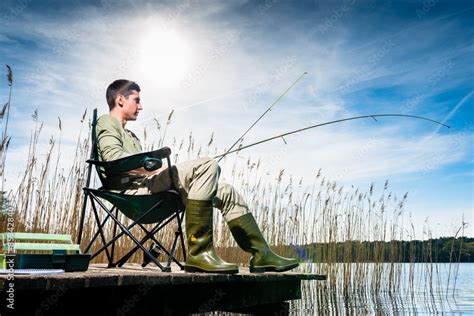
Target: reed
5,139
340,221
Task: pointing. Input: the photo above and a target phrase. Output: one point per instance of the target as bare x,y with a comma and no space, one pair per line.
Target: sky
220,64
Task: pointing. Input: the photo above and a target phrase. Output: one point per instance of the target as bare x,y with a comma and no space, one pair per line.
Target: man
196,180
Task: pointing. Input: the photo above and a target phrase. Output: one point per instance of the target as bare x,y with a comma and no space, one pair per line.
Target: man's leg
246,233
197,182
230,202
195,179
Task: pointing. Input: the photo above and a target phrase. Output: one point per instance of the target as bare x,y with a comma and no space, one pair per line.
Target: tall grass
5,139
48,199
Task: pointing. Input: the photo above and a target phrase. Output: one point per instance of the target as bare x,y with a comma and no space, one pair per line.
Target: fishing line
373,116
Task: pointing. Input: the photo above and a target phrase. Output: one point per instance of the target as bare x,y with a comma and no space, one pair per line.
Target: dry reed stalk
340,221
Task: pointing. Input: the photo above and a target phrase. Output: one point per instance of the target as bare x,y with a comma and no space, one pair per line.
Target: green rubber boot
201,255
248,236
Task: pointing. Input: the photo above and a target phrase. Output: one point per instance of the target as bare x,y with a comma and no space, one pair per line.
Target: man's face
130,106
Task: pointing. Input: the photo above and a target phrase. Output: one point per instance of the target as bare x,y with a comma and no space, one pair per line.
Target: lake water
385,289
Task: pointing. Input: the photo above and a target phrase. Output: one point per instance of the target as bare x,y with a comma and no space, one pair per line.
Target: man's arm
144,171
109,140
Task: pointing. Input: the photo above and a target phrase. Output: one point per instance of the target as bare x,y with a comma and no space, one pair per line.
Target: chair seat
134,206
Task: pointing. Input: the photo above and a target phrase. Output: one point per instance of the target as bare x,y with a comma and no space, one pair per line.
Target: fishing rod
328,123
264,113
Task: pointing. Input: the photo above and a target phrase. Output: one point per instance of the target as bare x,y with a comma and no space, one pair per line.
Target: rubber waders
248,236
201,255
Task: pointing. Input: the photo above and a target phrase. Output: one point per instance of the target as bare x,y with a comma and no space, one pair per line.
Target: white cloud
239,73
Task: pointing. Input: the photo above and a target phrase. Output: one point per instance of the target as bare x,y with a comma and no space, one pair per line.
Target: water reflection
379,289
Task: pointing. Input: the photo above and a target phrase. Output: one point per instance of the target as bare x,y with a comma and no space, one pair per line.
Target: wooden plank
148,291
98,275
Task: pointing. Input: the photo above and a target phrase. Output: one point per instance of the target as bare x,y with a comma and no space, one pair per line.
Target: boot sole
272,268
192,269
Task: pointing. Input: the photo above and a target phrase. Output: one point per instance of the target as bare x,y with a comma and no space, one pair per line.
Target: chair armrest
150,160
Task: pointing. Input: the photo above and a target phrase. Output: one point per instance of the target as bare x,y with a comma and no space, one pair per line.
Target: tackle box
51,251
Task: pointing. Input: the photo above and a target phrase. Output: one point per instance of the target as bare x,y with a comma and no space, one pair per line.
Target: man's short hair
120,86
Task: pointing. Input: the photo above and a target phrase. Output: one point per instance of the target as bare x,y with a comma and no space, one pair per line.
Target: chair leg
143,240
100,226
126,231
151,235
83,211
178,234
115,219
139,244
112,264
155,250
171,254
96,235
181,235
125,258
101,232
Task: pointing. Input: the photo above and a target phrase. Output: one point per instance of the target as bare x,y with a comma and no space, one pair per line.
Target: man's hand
149,173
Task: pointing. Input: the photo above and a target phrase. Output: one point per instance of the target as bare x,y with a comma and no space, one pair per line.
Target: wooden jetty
133,290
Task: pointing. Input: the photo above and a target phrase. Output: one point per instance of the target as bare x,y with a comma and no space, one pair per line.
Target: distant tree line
445,249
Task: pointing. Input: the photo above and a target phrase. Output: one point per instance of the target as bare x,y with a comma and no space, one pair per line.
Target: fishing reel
152,164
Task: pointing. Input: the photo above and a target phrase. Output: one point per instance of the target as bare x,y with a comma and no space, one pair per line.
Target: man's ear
119,100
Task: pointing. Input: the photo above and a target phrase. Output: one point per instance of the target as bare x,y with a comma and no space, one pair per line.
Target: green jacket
114,142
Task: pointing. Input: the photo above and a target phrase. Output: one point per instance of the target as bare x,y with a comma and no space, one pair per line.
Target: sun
164,56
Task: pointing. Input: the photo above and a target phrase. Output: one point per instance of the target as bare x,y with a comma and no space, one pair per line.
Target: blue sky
221,64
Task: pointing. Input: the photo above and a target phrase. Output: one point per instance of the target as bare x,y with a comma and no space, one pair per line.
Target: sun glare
164,57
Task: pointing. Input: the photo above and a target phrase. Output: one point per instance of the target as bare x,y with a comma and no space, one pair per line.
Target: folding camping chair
159,209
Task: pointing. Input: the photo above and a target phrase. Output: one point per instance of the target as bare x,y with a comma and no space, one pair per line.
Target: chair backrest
94,148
